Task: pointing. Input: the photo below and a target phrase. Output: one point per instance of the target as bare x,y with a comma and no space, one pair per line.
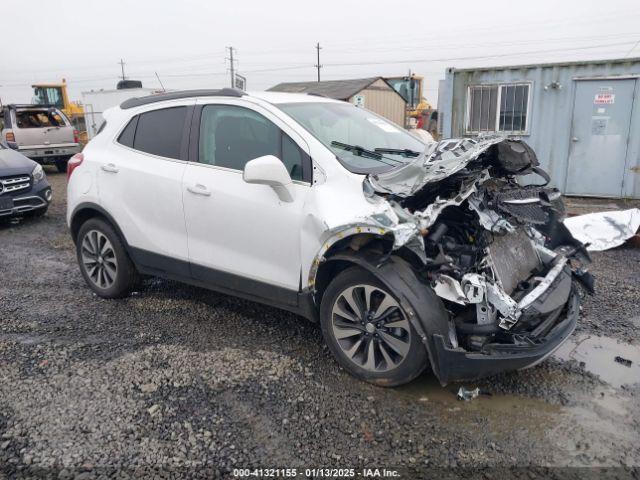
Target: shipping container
581,118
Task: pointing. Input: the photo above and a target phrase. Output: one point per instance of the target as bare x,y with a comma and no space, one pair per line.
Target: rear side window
39,119
159,132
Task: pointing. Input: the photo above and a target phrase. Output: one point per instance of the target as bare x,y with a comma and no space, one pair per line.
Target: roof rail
317,94
160,97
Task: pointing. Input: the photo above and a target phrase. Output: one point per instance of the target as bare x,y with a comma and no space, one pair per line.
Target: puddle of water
426,389
598,355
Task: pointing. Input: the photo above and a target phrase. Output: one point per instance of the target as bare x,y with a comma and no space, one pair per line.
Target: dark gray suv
24,189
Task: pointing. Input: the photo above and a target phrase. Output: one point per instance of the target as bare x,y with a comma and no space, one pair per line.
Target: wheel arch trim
81,211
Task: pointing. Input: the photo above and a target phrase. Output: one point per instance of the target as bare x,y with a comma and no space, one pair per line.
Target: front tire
368,331
103,260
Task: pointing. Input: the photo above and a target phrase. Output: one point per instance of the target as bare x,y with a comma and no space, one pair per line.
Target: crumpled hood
446,157
14,163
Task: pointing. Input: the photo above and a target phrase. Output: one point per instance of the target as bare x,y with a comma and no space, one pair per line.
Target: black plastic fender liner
423,307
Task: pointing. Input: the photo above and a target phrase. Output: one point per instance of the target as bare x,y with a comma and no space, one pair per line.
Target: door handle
575,139
199,189
110,167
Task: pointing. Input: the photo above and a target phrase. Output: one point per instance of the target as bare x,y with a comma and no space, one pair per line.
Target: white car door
241,236
140,185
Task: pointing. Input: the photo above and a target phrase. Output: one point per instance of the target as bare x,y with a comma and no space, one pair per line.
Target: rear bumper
42,154
454,364
38,197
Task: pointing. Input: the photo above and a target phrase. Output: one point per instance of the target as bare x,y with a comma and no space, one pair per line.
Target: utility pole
122,66
232,67
317,65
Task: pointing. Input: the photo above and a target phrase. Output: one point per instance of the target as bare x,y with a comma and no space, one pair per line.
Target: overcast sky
184,41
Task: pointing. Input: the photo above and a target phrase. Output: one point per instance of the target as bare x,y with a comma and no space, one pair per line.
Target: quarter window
230,136
127,135
292,157
498,108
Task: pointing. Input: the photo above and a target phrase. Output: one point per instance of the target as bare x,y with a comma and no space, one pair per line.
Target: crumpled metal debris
440,160
466,394
604,230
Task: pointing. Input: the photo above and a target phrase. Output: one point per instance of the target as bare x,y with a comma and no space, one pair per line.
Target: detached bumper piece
514,350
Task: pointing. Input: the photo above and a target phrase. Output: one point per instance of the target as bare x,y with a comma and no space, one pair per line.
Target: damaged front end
494,251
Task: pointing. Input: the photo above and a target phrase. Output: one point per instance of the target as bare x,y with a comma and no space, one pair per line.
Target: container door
599,137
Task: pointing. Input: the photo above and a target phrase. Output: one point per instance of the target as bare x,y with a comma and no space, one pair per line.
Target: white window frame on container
493,106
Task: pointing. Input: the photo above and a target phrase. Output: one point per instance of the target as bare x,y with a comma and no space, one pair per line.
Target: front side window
498,108
340,126
158,132
230,136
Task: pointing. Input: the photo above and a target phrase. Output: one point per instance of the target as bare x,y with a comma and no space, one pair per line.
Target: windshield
338,124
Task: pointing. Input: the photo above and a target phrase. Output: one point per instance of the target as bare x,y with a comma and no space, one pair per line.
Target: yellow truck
410,88
55,94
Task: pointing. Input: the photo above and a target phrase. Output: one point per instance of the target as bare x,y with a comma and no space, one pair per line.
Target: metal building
581,118
374,94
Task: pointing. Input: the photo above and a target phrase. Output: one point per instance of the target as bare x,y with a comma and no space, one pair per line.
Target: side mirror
269,170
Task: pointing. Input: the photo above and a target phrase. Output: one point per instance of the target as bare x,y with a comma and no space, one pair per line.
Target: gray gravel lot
176,380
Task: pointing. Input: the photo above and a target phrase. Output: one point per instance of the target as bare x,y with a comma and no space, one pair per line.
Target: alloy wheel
99,259
370,328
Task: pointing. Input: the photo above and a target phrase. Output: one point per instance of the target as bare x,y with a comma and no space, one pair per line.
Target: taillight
10,137
75,136
74,162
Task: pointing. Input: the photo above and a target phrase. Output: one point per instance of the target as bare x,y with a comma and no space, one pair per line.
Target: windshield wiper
405,152
363,152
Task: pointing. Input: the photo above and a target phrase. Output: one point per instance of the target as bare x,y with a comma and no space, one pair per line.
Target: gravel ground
180,381
615,310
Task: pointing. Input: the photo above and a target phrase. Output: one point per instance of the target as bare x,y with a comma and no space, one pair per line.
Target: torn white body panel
604,230
440,160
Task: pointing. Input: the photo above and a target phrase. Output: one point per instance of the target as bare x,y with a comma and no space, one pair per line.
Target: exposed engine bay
492,248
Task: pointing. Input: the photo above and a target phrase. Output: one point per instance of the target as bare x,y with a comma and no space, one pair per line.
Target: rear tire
61,165
368,332
103,260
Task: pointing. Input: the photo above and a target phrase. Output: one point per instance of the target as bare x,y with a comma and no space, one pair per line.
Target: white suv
407,254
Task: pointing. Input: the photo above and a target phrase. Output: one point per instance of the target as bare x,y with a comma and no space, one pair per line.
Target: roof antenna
158,77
